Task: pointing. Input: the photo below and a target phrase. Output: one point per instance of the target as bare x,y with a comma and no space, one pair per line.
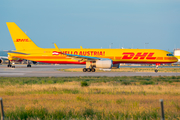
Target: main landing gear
89,69
9,64
12,64
29,63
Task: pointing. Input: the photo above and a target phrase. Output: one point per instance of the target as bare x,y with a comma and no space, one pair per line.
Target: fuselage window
169,54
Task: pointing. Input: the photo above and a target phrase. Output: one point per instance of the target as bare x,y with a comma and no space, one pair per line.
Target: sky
151,24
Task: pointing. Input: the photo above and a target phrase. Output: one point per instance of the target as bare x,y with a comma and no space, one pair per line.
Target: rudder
20,39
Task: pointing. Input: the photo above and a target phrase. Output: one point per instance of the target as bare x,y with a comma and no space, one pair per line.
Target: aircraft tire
28,65
89,69
13,66
93,70
156,71
84,69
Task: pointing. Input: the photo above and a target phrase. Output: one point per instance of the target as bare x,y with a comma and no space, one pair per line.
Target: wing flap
82,58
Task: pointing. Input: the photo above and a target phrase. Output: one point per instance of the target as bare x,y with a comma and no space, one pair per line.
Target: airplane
2,58
5,60
92,58
13,59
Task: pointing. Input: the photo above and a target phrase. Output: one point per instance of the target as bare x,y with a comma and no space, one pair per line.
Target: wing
80,58
4,57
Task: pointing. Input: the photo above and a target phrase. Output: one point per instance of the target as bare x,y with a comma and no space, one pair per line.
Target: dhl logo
22,40
139,55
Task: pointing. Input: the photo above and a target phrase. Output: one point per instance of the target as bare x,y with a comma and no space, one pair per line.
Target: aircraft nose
175,59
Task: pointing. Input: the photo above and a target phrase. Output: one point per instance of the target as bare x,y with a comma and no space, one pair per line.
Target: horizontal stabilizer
9,51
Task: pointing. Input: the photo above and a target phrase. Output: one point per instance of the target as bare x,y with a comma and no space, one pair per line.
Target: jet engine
1,61
104,64
34,62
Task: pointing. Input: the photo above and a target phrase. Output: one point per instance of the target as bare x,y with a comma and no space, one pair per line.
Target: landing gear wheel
156,70
13,66
84,69
89,69
8,65
93,70
28,65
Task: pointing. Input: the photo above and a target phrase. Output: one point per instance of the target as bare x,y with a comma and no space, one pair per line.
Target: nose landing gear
156,69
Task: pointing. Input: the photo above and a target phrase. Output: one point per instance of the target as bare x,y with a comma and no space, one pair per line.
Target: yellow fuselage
150,56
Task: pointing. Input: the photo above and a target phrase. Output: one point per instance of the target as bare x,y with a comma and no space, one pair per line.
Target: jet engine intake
1,61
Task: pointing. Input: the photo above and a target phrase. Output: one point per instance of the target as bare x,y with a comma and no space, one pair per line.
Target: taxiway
51,71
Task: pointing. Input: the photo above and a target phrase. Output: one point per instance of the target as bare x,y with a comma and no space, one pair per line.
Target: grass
84,84
112,98
87,113
62,80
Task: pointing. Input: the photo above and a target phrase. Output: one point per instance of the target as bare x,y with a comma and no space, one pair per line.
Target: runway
51,71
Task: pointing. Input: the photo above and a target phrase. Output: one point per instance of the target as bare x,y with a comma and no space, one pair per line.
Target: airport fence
2,110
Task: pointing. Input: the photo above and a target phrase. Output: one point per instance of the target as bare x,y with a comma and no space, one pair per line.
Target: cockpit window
170,55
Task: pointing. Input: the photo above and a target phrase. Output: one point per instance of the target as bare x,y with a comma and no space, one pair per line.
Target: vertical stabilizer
20,39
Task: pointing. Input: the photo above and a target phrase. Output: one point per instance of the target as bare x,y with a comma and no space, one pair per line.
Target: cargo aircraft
11,60
92,58
2,58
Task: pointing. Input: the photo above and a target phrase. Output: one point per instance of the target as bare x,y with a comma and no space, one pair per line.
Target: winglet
81,47
57,48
